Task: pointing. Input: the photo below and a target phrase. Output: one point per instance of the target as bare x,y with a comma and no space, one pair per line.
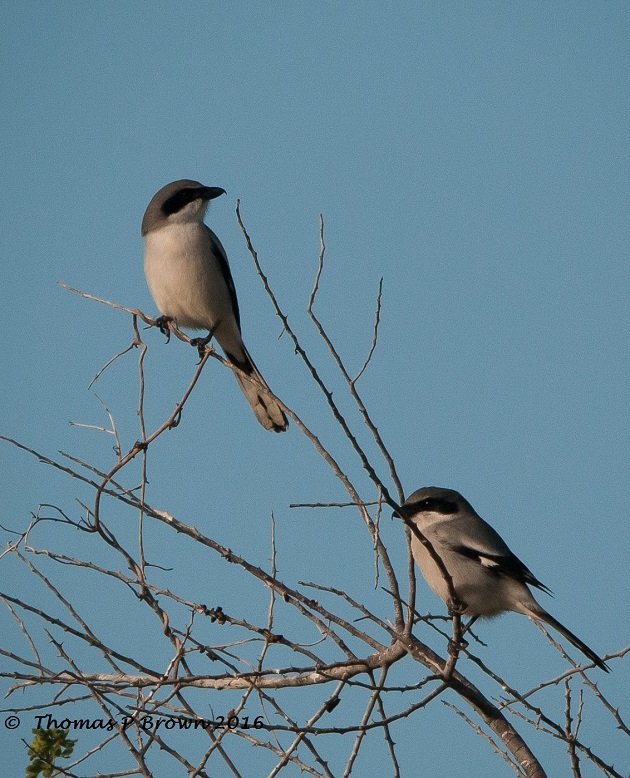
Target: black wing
220,254
508,565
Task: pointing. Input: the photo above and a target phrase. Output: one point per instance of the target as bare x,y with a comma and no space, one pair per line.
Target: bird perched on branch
486,577
189,278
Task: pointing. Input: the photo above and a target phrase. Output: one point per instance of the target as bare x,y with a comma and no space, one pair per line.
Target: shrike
189,278
487,577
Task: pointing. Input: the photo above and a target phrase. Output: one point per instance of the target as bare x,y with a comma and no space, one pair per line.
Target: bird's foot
456,606
201,343
454,648
162,323
175,420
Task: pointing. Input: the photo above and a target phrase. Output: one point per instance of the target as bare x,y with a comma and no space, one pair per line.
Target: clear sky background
474,155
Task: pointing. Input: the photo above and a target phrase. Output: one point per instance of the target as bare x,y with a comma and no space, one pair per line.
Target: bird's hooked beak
210,192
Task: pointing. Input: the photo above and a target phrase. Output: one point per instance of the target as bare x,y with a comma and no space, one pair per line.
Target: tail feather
258,394
542,615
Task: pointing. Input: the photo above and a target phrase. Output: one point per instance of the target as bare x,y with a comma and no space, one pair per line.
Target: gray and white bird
487,577
189,278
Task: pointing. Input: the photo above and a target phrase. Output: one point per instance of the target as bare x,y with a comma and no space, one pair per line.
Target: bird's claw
456,606
201,343
175,420
162,323
454,648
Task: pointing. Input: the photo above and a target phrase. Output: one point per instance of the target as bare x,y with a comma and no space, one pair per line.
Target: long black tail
542,615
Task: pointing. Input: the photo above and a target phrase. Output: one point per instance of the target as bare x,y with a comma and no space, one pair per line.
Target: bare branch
295,653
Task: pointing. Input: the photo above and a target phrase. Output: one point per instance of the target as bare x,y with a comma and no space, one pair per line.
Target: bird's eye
180,199
436,505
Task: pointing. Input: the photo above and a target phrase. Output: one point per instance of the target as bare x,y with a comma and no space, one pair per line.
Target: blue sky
473,155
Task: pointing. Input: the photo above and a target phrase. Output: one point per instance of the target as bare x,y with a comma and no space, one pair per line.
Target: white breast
184,276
